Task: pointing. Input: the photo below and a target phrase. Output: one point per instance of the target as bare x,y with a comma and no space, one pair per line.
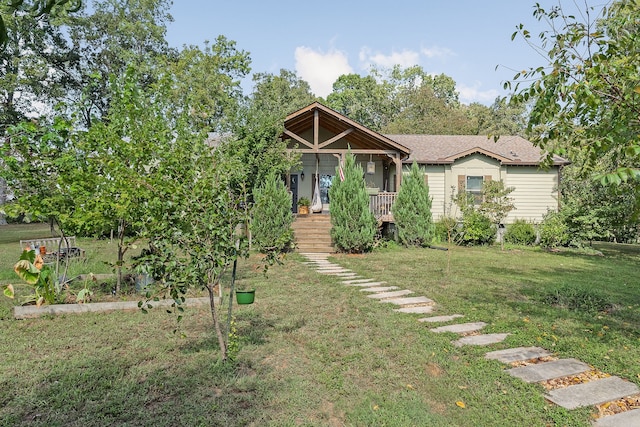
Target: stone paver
549,370
393,294
623,419
365,284
592,393
517,354
332,270
460,328
440,319
379,289
423,309
352,281
408,300
485,339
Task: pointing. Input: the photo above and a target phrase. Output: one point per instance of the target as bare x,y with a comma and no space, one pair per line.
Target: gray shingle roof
443,149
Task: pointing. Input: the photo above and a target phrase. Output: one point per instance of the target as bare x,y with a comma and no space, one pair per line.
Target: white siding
437,190
535,192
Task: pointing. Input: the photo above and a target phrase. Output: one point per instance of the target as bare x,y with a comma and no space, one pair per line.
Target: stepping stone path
594,392
461,328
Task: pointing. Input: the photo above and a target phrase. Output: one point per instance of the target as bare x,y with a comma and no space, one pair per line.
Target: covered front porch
323,137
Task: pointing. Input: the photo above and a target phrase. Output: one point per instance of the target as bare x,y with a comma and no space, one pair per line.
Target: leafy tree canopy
586,97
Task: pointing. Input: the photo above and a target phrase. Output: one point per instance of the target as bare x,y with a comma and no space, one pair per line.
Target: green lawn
316,353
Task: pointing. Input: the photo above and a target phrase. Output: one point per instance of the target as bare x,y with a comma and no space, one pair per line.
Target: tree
121,157
271,221
501,118
587,96
353,226
195,217
496,203
32,62
594,211
206,83
412,210
362,99
275,96
115,36
37,9
426,113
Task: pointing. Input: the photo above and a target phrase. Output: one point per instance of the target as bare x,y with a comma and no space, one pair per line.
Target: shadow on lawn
128,389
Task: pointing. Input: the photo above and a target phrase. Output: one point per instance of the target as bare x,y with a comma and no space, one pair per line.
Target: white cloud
469,94
321,69
437,52
405,58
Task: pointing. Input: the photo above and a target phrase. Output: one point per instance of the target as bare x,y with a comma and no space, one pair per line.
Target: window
474,187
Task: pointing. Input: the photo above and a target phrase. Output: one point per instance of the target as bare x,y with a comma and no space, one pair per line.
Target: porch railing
380,205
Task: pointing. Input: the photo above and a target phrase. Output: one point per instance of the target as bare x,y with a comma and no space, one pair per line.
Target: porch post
398,163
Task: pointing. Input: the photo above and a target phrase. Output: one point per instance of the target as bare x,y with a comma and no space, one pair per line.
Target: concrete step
357,282
592,393
519,354
549,370
485,339
461,328
392,294
408,301
440,319
379,289
422,309
623,419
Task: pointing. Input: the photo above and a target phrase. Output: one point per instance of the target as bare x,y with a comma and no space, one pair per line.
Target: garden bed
32,311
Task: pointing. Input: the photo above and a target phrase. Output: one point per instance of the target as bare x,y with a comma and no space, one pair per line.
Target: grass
314,352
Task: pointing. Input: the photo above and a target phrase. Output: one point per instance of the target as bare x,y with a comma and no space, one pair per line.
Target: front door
293,187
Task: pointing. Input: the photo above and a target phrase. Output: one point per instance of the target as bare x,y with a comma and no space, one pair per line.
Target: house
452,162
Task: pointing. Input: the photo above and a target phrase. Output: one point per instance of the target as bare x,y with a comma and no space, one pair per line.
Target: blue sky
320,40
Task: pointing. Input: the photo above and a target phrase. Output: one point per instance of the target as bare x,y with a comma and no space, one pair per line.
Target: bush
553,231
353,226
272,217
412,210
477,229
446,228
520,232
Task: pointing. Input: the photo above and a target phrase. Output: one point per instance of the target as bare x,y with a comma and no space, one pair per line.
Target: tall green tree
362,99
353,225
586,96
194,221
36,8
32,67
412,210
115,35
425,113
206,83
271,220
274,96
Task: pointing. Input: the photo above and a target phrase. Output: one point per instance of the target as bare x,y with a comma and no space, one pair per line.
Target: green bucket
245,297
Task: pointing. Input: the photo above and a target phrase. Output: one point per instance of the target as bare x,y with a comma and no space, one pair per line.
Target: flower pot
245,297
303,210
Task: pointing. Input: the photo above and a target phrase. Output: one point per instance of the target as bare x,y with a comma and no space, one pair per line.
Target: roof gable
354,133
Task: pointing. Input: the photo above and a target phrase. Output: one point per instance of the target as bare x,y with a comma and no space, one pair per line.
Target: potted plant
303,205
